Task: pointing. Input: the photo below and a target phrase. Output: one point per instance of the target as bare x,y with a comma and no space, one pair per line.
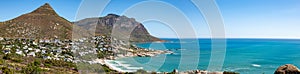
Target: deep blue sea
246,56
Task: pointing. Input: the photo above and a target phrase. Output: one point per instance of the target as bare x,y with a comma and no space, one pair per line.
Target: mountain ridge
45,23
121,27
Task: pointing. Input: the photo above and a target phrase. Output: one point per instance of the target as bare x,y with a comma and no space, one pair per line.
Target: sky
242,18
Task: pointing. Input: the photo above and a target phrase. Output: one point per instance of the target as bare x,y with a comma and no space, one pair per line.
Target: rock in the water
175,71
287,69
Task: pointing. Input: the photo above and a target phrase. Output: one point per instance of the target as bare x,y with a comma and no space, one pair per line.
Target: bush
18,60
101,55
225,72
37,62
6,57
141,72
31,69
2,61
59,63
6,70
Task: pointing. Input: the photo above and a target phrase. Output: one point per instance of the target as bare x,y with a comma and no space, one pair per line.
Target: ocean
246,56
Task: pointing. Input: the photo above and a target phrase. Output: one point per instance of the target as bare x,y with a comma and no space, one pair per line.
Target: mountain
43,22
121,27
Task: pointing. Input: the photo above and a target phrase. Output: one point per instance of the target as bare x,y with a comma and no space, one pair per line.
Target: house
1,39
37,50
43,51
19,52
25,47
46,57
6,51
8,46
68,59
58,50
31,54
30,49
41,41
47,41
25,51
34,43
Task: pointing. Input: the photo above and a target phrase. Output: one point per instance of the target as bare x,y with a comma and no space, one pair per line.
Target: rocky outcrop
120,27
41,23
287,69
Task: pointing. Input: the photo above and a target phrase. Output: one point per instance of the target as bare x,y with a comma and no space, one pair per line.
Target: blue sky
242,18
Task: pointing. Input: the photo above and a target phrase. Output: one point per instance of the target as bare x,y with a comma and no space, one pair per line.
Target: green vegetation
32,68
101,54
13,63
59,63
13,57
94,68
6,70
141,72
225,72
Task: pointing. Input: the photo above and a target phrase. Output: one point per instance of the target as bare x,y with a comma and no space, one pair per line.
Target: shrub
18,60
141,72
31,69
6,70
225,72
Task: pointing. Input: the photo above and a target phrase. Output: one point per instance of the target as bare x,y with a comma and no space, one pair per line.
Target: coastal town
94,50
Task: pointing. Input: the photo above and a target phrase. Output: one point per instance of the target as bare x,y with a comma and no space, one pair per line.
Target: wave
237,69
181,49
120,66
256,65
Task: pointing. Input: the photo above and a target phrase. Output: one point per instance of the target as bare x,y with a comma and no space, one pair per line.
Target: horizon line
223,38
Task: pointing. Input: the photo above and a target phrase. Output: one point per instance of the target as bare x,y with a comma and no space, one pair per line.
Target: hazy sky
242,18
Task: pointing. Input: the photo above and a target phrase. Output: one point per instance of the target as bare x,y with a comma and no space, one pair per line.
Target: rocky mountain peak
40,24
45,9
113,15
123,28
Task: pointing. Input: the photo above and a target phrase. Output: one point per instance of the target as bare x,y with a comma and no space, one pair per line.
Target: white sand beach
120,67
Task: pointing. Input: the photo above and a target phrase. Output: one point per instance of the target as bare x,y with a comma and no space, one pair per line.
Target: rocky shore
287,69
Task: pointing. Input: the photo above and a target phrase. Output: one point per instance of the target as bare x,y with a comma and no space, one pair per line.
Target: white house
30,49
31,54
19,52
1,38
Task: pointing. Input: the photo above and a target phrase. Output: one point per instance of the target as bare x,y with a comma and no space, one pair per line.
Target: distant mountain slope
43,22
124,28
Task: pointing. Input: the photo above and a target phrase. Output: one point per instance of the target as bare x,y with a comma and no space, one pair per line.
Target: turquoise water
246,56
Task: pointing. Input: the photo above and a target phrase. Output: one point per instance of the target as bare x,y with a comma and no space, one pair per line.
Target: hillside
123,28
41,23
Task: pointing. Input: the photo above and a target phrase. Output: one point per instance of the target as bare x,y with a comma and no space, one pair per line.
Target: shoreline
125,68
113,66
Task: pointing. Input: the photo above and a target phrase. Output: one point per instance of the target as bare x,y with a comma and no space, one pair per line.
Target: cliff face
43,22
121,27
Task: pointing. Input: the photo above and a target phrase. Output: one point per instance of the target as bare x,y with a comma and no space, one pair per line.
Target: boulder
175,71
287,69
